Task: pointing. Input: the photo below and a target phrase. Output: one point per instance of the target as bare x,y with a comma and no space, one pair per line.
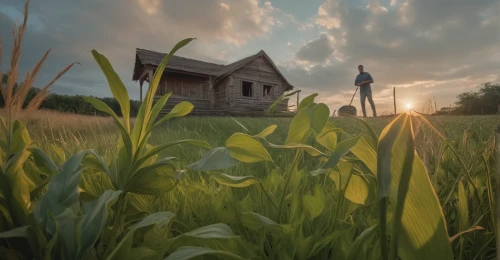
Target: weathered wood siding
260,73
221,94
189,88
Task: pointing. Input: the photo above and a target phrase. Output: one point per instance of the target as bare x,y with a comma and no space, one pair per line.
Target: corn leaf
116,86
309,149
244,148
157,108
267,131
423,233
189,252
234,181
360,190
363,239
181,109
309,100
218,158
299,128
319,116
314,204
340,151
366,154
328,136
155,179
94,220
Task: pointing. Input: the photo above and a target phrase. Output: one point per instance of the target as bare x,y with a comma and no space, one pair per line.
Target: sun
408,105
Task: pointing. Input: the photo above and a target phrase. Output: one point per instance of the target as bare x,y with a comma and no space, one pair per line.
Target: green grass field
199,200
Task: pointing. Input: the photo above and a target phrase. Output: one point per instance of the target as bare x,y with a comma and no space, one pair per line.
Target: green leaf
235,181
314,204
256,221
360,190
144,115
216,236
157,109
15,232
319,116
373,135
181,109
189,252
155,180
218,158
309,149
423,232
160,148
61,197
307,101
363,239
269,130
240,124
116,86
463,208
366,154
328,136
244,148
101,106
299,128
147,248
94,220
43,161
340,151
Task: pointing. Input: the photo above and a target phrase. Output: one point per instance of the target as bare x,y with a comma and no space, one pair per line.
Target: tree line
72,104
485,101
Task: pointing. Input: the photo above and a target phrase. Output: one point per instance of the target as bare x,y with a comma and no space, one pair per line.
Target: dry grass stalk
14,98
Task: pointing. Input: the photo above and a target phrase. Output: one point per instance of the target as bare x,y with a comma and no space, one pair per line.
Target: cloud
115,28
442,47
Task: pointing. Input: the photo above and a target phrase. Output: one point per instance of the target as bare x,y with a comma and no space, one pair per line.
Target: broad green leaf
423,233
217,237
299,128
255,221
61,197
215,159
94,220
269,130
155,180
361,189
340,151
43,161
101,106
235,181
155,111
309,149
160,148
116,86
364,238
319,116
189,252
244,148
94,184
144,115
126,250
463,208
366,154
15,232
328,136
314,204
307,101
181,109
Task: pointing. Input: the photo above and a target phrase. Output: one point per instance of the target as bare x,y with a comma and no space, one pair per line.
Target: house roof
146,57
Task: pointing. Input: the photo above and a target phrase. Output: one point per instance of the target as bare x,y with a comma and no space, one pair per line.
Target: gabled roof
146,57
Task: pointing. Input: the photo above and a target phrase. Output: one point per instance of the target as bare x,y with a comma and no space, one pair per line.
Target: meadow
172,186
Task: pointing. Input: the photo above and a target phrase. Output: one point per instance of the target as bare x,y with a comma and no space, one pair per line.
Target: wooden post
140,84
297,107
211,92
394,95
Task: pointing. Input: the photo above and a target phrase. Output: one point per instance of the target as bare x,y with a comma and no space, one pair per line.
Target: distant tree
485,101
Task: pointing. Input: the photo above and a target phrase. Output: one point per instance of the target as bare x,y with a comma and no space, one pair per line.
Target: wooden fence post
394,95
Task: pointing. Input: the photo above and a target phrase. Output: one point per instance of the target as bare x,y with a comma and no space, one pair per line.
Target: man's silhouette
363,80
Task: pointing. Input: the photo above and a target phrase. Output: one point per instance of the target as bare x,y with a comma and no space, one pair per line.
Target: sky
424,48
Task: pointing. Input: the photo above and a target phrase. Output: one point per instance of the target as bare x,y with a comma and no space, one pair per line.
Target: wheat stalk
14,98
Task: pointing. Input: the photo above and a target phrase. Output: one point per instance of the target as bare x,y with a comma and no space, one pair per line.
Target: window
266,90
247,89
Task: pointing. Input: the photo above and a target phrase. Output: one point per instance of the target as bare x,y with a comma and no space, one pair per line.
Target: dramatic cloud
425,48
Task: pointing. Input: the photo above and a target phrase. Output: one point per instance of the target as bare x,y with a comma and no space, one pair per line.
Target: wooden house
247,86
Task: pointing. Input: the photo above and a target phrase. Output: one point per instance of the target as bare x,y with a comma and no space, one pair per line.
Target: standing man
363,81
